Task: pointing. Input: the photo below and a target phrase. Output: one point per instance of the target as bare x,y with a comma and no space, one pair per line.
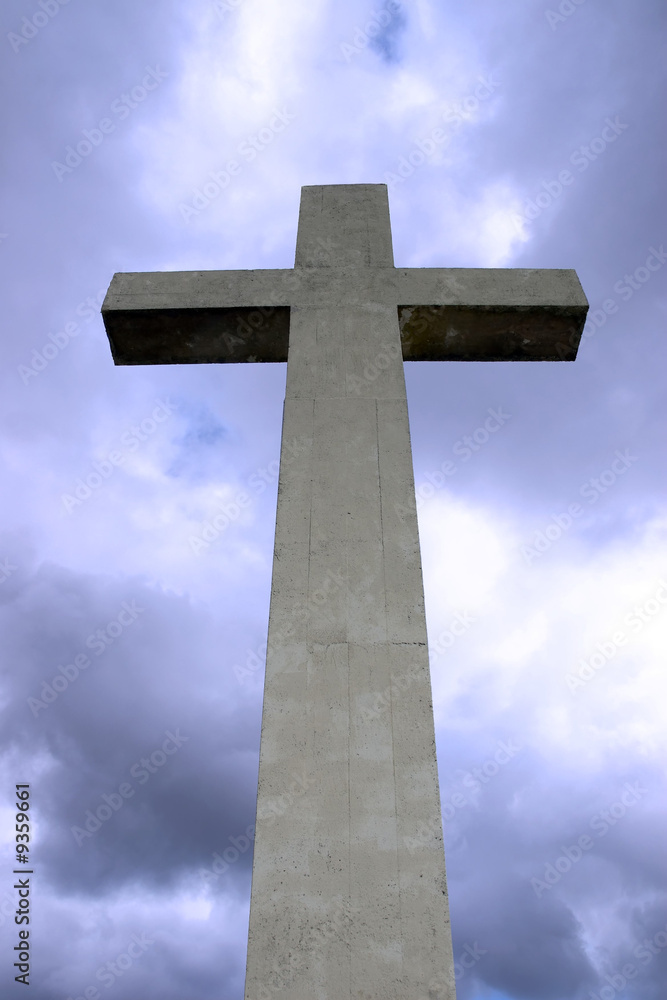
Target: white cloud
538,624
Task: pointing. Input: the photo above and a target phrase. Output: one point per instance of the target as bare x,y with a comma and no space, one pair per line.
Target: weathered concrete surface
349,896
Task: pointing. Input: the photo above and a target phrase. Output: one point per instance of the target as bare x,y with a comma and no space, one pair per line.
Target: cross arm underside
490,314
189,317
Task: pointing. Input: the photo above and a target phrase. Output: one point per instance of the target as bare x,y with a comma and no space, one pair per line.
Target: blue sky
516,134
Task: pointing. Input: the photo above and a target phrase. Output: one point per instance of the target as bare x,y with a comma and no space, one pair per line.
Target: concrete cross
349,896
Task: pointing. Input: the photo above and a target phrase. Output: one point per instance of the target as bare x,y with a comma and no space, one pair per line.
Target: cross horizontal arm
444,314
490,314
187,317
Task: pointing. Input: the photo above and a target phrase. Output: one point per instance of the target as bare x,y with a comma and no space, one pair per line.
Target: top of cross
344,250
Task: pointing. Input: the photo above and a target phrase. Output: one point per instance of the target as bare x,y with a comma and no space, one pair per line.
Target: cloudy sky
128,636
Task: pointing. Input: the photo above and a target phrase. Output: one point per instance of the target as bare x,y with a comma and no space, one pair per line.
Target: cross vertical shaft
349,893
